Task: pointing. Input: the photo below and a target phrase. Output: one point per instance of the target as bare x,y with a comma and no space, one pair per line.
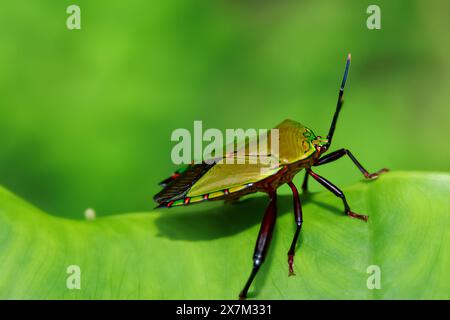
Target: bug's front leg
333,156
263,240
338,192
298,221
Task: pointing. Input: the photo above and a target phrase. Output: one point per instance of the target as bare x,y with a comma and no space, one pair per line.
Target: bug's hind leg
338,192
263,241
333,156
298,221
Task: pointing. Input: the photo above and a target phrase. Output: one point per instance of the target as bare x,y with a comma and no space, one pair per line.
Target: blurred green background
86,115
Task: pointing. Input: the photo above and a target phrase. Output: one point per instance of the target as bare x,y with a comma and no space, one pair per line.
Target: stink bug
299,148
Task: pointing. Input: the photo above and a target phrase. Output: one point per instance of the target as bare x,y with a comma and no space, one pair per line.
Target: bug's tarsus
243,294
298,221
335,155
338,192
339,104
263,241
362,217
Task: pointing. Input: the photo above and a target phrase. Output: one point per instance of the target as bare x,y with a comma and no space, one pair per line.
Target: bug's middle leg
299,221
333,156
263,241
305,183
338,192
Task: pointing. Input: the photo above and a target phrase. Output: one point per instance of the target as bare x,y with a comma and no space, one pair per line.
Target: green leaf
204,251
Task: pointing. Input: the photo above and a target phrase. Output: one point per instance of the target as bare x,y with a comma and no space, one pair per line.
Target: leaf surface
204,251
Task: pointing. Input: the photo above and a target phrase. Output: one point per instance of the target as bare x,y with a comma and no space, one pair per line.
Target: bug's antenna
339,103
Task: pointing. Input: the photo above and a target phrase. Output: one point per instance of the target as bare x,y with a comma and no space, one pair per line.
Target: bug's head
321,144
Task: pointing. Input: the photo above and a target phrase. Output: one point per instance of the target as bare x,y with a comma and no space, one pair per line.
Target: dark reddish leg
327,184
263,241
305,183
333,156
298,221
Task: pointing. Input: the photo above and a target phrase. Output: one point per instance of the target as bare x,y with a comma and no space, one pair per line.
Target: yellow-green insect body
226,178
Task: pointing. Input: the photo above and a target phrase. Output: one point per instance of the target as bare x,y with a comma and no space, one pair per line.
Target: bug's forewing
294,144
226,175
